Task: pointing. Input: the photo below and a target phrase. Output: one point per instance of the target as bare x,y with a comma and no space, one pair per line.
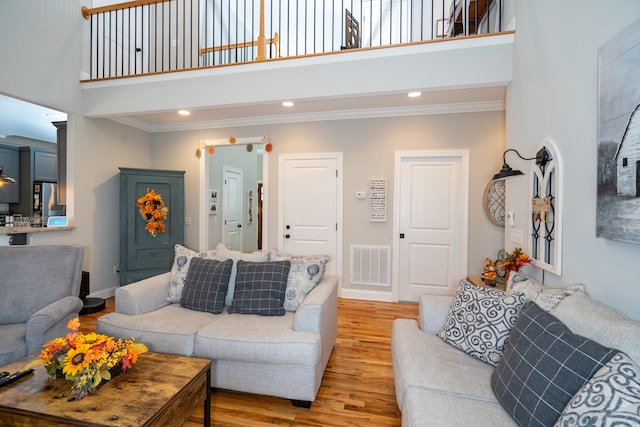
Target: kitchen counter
19,234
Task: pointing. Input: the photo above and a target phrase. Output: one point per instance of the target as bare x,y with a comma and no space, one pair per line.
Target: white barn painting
618,203
628,158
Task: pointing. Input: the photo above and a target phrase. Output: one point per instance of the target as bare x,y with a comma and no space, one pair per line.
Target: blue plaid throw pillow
260,288
543,365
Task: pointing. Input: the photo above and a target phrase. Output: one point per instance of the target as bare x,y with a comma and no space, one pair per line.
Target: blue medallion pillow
260,288
206,285
480,320
543,365
305,273
611,397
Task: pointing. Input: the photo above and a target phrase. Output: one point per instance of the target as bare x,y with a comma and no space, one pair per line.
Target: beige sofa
283,356
439,385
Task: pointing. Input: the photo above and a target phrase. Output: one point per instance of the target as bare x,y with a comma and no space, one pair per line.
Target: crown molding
369,113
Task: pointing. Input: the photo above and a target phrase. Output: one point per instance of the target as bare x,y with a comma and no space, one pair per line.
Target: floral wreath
153,211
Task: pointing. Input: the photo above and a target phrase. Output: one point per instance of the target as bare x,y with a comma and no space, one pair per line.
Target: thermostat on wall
58,221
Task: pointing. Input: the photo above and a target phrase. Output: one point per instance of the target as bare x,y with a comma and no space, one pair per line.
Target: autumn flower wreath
153,211
87,359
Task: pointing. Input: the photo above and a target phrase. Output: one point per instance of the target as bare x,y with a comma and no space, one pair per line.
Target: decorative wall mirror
545,209
493,201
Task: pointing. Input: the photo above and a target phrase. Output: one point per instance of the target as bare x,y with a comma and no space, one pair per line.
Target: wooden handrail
86,12
275,40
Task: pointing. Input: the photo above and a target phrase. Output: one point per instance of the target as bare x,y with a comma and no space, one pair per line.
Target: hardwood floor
357,388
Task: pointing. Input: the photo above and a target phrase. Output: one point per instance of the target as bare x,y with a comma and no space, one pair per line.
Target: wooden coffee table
159,390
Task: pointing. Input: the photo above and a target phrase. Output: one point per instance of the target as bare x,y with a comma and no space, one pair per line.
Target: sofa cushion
170,329
253,338
206,285
260,288
305,273
480,320
546,297
600,323
223,253
431,408
425,361
610,397
181,261
543,365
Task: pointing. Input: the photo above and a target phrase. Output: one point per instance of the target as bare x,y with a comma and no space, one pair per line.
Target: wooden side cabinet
142,255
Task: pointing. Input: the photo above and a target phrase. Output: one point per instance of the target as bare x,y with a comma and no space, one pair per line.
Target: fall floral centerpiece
87,359
515,260
153,211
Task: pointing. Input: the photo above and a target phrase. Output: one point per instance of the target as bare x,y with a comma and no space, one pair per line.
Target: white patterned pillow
223,253
610,397
305,273
546,297
181,260
480,320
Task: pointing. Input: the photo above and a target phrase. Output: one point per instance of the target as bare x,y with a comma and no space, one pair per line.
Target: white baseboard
384,296
104,293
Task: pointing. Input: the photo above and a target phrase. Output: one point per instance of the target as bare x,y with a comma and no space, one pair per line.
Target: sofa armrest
319,310
50,322
433,312
143,296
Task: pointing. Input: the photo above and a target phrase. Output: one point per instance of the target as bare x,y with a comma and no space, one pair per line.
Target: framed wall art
618,201
213,202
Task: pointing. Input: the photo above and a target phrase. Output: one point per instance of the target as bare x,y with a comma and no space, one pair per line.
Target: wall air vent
370,265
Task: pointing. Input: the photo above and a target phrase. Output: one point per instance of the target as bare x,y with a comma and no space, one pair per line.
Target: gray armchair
39,288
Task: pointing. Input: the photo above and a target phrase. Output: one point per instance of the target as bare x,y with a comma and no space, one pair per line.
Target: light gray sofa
438,385
39,288
283,356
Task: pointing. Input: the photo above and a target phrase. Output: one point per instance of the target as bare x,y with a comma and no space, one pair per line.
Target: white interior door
432,194
232,207
310,190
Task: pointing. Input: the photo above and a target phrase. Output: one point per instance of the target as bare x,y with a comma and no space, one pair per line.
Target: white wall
368,147
45,69
554,94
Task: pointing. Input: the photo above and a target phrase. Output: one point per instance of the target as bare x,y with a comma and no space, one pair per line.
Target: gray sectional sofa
439,385
283,356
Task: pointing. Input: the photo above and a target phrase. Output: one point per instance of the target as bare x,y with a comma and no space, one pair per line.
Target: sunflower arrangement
153,211
515,260
86,359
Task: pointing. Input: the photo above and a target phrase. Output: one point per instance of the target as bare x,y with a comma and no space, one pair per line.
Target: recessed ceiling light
184,112
414,94
287,104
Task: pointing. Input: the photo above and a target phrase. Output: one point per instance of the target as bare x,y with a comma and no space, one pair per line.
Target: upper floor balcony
238,53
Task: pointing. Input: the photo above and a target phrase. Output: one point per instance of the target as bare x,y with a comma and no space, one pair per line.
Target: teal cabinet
141,254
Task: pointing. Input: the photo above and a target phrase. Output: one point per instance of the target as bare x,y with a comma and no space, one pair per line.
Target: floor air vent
370,265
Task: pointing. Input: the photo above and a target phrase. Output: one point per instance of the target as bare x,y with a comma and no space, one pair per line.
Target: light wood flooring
357,388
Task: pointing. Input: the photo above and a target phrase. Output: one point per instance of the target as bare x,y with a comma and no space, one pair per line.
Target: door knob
286,236
287,227
239,225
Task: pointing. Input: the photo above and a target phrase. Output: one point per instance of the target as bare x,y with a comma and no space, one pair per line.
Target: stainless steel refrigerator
45,201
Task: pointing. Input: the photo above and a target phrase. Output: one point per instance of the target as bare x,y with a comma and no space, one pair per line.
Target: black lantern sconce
541,158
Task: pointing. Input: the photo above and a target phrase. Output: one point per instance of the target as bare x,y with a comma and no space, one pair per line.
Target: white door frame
339,202
464,207
203,197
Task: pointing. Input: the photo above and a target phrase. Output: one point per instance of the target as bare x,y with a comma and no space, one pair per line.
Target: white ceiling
26,120
433,102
